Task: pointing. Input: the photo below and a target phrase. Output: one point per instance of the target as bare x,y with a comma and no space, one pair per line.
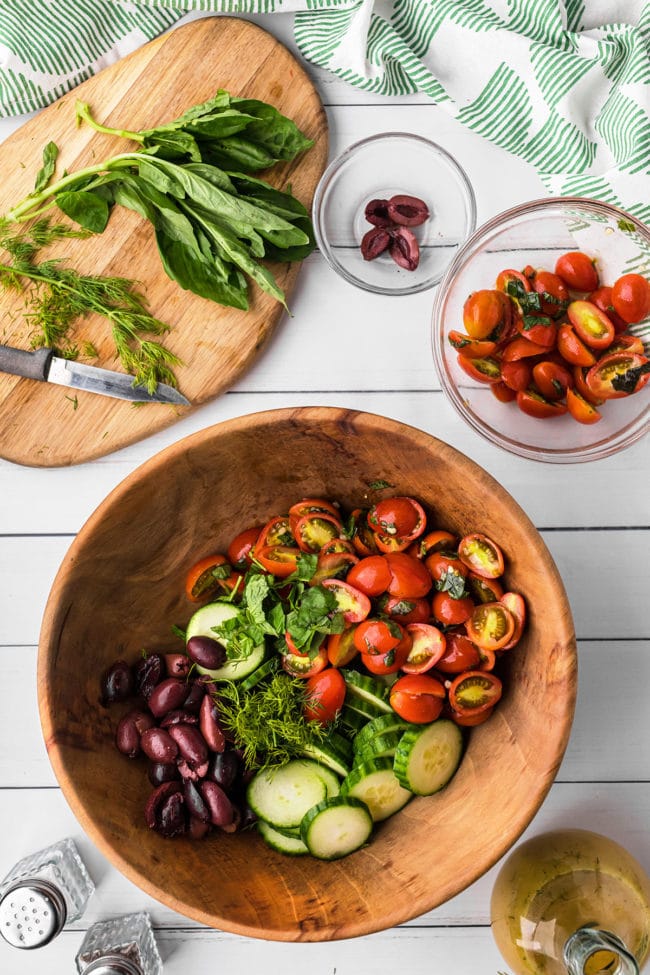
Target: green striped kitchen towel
564,84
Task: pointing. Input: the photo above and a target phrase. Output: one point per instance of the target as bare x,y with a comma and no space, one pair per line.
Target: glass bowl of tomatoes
541,330
391,211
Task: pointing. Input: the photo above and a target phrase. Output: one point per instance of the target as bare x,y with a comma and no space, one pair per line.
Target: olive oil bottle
571,901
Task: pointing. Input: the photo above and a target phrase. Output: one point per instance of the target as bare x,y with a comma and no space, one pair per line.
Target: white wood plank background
595,519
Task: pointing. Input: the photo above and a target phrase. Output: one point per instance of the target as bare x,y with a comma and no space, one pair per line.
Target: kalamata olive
374,243
197,829
209,724
189,771
148,673
223,768
376,212
195,802
408,211
195,696
129,729
206,652
404,248
155,801
171,820
248,817
235,823
221,808
118,683
177,664
160,772
167,696
179,716
158,745
191,743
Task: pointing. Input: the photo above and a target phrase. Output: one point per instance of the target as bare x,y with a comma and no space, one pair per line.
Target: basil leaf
45,174
452,582
86,208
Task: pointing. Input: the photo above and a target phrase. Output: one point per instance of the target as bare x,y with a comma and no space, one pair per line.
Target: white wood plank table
345,347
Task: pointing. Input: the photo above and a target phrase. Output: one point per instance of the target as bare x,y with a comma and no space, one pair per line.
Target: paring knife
47,367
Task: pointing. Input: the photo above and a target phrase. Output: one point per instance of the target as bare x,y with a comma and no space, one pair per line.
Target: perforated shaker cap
112,965
32,912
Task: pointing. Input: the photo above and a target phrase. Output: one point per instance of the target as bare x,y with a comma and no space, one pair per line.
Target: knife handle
32,365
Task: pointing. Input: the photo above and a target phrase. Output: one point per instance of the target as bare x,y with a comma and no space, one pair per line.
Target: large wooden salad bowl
120,589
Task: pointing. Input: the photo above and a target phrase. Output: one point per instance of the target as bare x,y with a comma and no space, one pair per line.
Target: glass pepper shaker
41,893
120,946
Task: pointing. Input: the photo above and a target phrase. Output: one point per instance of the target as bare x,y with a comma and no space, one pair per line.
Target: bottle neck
590,951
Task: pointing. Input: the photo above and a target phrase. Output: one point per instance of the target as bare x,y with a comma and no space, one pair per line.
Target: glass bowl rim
621,439
339,161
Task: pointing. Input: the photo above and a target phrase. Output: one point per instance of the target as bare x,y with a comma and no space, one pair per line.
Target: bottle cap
32,912
112,965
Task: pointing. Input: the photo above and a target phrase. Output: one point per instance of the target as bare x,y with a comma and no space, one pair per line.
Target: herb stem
84,114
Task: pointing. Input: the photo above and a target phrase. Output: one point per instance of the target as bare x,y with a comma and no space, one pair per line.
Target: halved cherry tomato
572,349
540,329
578,271
631,297
488,659
240,550
517,375
592,325
471,348
474,691
480,554
553,290
580,384
491,626
505,277
486,314
484,590
522,348
502,392
446,566
470,719
391,543
483,370
371,575
279,560
517,606
406,610
581,409
434,541
207,577
417,698
450,611
314,530
325,695
340,647
627,343
309,506
409,578
277,531
428,646
552,379
332,565
618,375
460,654
364,539
374,636
302,665
602,298
351,602
388,663
400,517
533,404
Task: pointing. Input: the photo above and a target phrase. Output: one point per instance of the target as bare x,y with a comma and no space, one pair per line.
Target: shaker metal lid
112,965
32,912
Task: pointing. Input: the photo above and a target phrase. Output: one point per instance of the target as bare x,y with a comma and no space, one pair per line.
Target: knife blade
44,366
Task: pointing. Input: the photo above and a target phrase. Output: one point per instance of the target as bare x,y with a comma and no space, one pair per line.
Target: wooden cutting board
43,425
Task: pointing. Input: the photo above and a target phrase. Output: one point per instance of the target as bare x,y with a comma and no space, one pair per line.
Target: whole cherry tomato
631,297
486,314
409,577
371,575
449,611
417,698
578,271
401,517
325,694
460,654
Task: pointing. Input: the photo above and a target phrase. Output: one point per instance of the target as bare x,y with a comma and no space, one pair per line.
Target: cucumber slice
381,746
267,669
427,757
282,796
329,756
352,720
202,623
291,845
383,725
359,686
336,827
368,709
375,783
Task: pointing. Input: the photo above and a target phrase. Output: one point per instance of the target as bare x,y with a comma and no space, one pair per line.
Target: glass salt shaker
41,893
120,946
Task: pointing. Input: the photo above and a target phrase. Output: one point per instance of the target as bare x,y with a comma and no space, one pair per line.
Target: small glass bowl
378,168
537,233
